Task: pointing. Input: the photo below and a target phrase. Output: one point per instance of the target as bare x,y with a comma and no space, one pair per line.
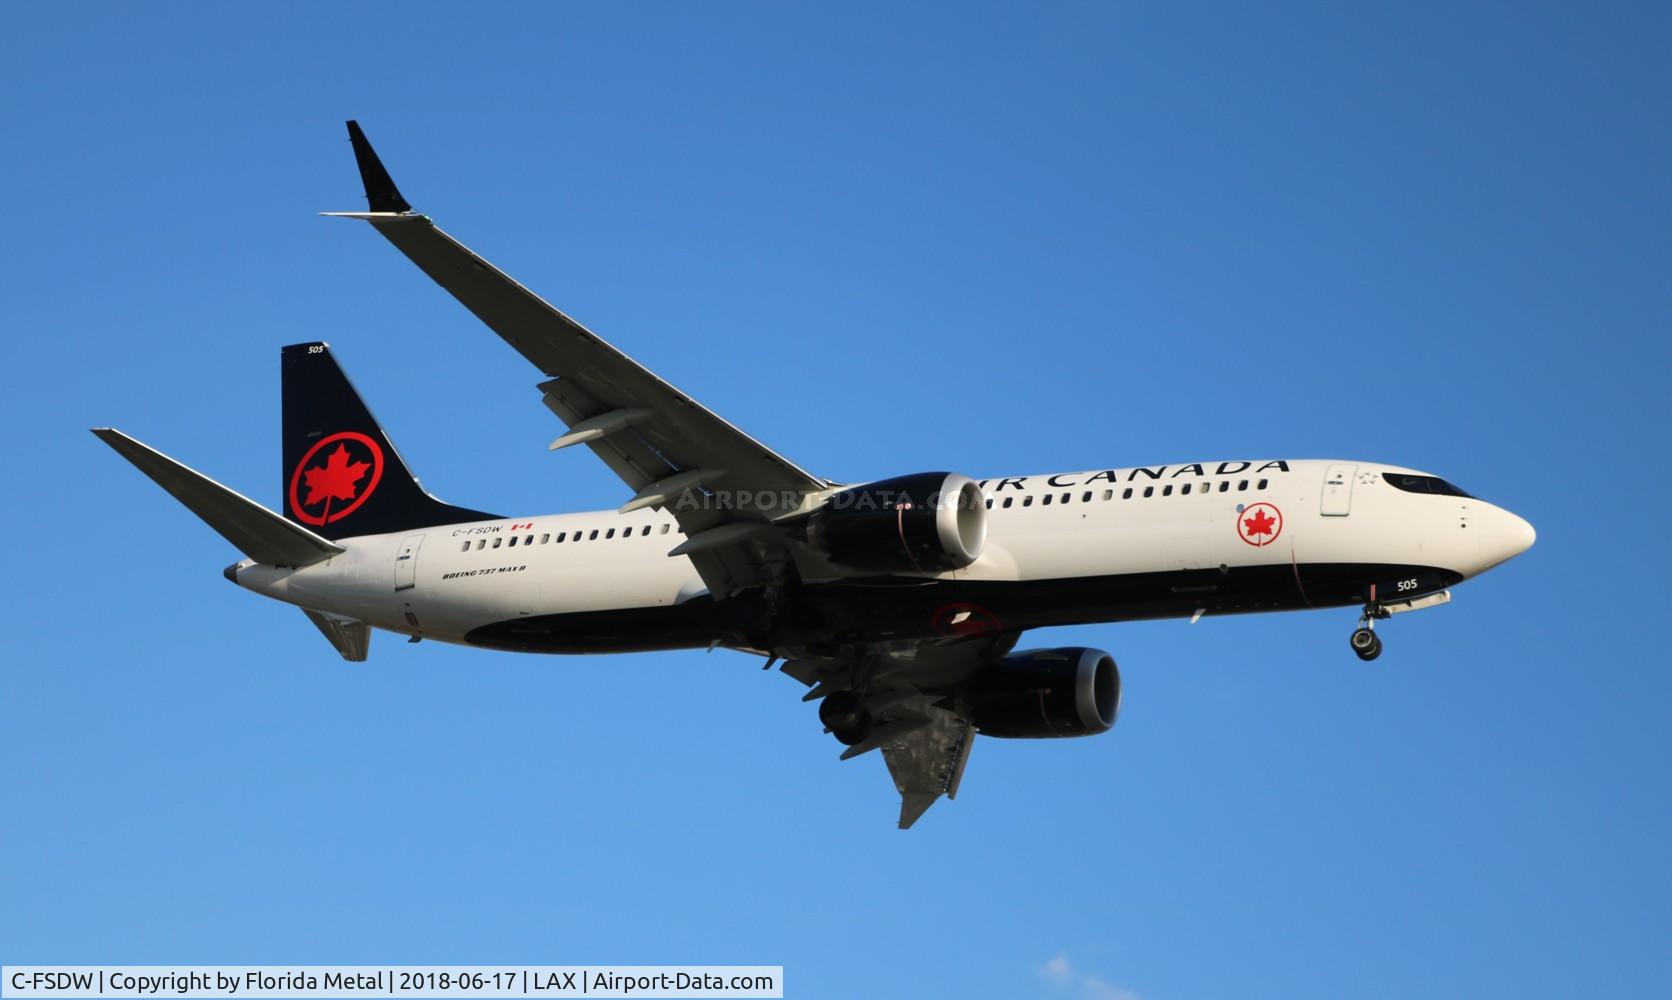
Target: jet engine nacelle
1045,693
929,523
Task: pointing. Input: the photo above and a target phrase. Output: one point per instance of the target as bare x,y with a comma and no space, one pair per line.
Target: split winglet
381,193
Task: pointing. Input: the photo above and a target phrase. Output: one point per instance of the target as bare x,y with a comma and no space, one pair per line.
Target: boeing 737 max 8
897,603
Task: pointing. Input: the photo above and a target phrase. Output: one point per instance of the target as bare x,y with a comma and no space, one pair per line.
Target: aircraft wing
928,763
662,443
924,741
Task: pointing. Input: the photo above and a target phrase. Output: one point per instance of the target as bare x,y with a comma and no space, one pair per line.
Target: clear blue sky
997,239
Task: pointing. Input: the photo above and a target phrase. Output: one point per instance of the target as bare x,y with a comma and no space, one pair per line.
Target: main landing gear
1366,643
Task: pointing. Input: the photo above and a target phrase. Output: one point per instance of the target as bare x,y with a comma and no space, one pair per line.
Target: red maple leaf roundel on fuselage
339,472
1259,524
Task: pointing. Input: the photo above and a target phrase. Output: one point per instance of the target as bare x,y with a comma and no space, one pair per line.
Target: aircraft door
1338,491
406,562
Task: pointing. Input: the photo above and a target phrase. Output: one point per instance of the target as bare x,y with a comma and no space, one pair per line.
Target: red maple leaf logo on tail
352,467
337,479
1259,524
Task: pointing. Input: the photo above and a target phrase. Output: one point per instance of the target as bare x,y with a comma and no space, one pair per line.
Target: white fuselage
444,582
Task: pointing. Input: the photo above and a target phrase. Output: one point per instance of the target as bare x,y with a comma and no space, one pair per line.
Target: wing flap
929,762
926,746
637,462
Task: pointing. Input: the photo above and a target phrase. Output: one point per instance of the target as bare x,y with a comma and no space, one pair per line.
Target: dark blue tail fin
342,477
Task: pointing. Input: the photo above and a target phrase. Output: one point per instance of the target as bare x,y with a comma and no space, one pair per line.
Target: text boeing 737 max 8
897,603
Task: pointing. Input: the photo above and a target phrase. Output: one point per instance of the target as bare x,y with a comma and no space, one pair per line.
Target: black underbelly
894,609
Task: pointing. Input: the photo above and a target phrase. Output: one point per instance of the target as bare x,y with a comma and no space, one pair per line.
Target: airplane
896,603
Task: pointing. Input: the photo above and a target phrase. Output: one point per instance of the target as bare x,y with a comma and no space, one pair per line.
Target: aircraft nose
1506,536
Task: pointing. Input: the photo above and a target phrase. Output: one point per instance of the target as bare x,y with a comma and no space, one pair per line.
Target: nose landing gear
1366,643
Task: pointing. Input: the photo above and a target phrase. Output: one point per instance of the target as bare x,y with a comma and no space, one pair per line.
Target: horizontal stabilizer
352,638
257,532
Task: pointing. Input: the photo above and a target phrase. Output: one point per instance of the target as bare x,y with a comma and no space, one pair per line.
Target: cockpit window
1423,484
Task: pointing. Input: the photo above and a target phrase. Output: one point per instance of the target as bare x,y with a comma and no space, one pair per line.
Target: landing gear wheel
1366,644
845,716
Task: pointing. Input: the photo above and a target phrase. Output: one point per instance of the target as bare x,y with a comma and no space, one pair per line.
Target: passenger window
545,537
609,534
1027,501
1224,486
480,542
1008,501
1045,501
1066,497
1108,494
465,547
1149,491
646,531
1185,490
594,534
1167,490
1263,483
989,503
1242,486
560,536
497,541
664,529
